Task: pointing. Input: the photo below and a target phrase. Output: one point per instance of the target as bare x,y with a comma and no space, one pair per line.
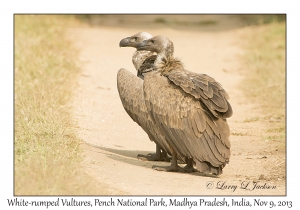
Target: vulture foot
171,168
159,155
154,157
190,169
189,165
174,166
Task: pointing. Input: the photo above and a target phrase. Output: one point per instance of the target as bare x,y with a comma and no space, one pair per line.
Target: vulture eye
152,41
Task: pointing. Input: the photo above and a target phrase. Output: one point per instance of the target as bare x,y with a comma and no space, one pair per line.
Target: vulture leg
174,166
189,165
164,155
159,155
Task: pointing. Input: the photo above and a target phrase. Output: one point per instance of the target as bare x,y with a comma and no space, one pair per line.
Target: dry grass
47,151
266,74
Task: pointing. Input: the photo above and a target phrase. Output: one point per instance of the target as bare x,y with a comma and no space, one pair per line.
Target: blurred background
193,22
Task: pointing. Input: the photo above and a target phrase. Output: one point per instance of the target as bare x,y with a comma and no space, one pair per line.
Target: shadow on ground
130,157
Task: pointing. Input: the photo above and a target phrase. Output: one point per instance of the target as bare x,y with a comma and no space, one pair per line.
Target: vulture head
134,40
165,61
159,44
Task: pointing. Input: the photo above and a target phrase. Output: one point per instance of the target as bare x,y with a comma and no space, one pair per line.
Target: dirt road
113,140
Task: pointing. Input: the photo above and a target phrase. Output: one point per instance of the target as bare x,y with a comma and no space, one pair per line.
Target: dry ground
113,140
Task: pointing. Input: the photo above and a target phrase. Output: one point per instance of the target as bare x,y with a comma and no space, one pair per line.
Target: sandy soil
113,140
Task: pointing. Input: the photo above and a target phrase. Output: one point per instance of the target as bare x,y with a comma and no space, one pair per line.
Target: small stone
261,177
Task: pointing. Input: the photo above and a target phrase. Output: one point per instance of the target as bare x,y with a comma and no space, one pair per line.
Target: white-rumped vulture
190,108
131,93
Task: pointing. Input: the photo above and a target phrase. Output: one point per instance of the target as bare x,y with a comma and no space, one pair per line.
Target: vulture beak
124,42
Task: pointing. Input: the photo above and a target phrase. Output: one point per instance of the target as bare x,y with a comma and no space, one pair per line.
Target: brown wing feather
131,93
189,128
205,88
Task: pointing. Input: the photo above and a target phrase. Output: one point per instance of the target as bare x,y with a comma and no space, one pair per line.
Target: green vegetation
239,134
182,21
206,22
276,130
160,20
260,19
252,119
47,151
189,23
265,81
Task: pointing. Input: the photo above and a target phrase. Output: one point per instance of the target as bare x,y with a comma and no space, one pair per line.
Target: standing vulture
131,93
190,108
